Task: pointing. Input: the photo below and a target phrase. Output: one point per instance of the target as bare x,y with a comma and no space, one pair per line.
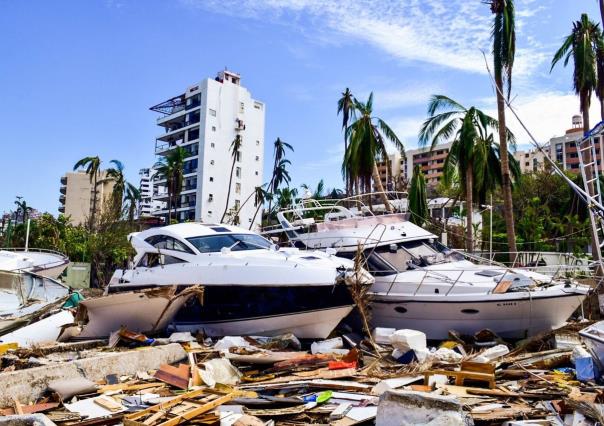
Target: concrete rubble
393,377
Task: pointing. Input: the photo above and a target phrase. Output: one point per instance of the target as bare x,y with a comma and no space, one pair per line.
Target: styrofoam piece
406,339
381,335
44,331
327,346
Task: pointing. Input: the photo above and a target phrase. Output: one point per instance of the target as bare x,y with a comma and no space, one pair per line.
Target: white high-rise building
205,120
147,204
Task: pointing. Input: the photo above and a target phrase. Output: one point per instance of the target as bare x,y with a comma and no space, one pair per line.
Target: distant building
531,160
147,204
401,169
205,120
76,197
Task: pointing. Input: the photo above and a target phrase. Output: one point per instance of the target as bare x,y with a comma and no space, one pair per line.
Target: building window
237,188
257,158
257,143
193,134
211,179
212,162
237,204
241,107
258,105
213,112
238,172
209,212
211,197
256,172
212,145
239,155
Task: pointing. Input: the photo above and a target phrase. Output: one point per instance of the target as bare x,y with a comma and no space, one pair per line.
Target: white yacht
423,285
47,263
250,285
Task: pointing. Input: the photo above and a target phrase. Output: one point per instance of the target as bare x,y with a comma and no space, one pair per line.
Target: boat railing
453,277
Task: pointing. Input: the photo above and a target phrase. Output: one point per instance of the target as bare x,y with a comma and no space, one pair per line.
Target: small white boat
47,263
250,285
593,337
421,284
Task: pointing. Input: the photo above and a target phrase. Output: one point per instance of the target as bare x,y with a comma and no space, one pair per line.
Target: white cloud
415,94
449,34
407,129
545,114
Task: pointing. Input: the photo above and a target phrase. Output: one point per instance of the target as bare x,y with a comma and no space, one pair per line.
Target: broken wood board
175,376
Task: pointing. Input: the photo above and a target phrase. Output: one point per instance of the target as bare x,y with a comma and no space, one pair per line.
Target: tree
470,151
235,148
260,197
582,44
367,137
346,107
279,174
116,174
418,199
170,168
316,193
23,209
286,197
504,50
132,198
92,166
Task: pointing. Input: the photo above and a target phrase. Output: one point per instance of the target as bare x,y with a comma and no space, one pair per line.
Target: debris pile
396,378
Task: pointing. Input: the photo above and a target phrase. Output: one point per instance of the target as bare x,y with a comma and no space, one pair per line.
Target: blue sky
77,77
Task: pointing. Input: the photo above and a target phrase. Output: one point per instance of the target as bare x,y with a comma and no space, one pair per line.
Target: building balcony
62,209
162,148
176,133
63,180
63,190
62,199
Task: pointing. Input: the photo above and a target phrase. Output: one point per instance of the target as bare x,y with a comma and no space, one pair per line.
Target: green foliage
418,203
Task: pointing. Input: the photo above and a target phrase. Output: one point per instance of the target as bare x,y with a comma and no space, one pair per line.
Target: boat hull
316,324
509,318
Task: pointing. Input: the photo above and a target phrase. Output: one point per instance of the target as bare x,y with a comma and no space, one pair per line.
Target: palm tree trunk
601,2
226,207
347,183
508,208
254,218
469,202
380,188
169,206
94,197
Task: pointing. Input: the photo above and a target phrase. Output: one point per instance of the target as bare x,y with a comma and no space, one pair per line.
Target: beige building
400,169
531,160
77,196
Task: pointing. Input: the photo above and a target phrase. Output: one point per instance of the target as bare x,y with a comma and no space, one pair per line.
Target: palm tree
235,148
23,208
170,168
346,107
132,197
279,163
317,193
92,166
471,129
116,174
504,50
260,197
418,199
286,197
367,137
582,44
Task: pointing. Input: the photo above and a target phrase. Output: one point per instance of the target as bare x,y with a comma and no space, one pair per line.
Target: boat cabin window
152,260
163,242
236,242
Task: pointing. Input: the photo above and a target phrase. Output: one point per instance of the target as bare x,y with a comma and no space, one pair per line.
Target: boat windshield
236,242
405,255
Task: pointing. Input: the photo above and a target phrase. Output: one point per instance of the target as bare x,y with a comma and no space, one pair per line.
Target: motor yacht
422,284
250,285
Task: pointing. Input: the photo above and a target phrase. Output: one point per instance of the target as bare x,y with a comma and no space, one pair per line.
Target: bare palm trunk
380,188
94,197
254,218
226,207
469,202
508,207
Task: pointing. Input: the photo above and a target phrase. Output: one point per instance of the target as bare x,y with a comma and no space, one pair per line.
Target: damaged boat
250,285
422,284
46,263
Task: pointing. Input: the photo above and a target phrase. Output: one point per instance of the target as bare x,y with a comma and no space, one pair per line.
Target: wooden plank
478,367
175,376
129,387
200,410
461,376
164,406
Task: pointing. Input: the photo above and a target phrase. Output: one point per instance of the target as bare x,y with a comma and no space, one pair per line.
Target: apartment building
400,170
147,204
531,160
77,195
204,120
